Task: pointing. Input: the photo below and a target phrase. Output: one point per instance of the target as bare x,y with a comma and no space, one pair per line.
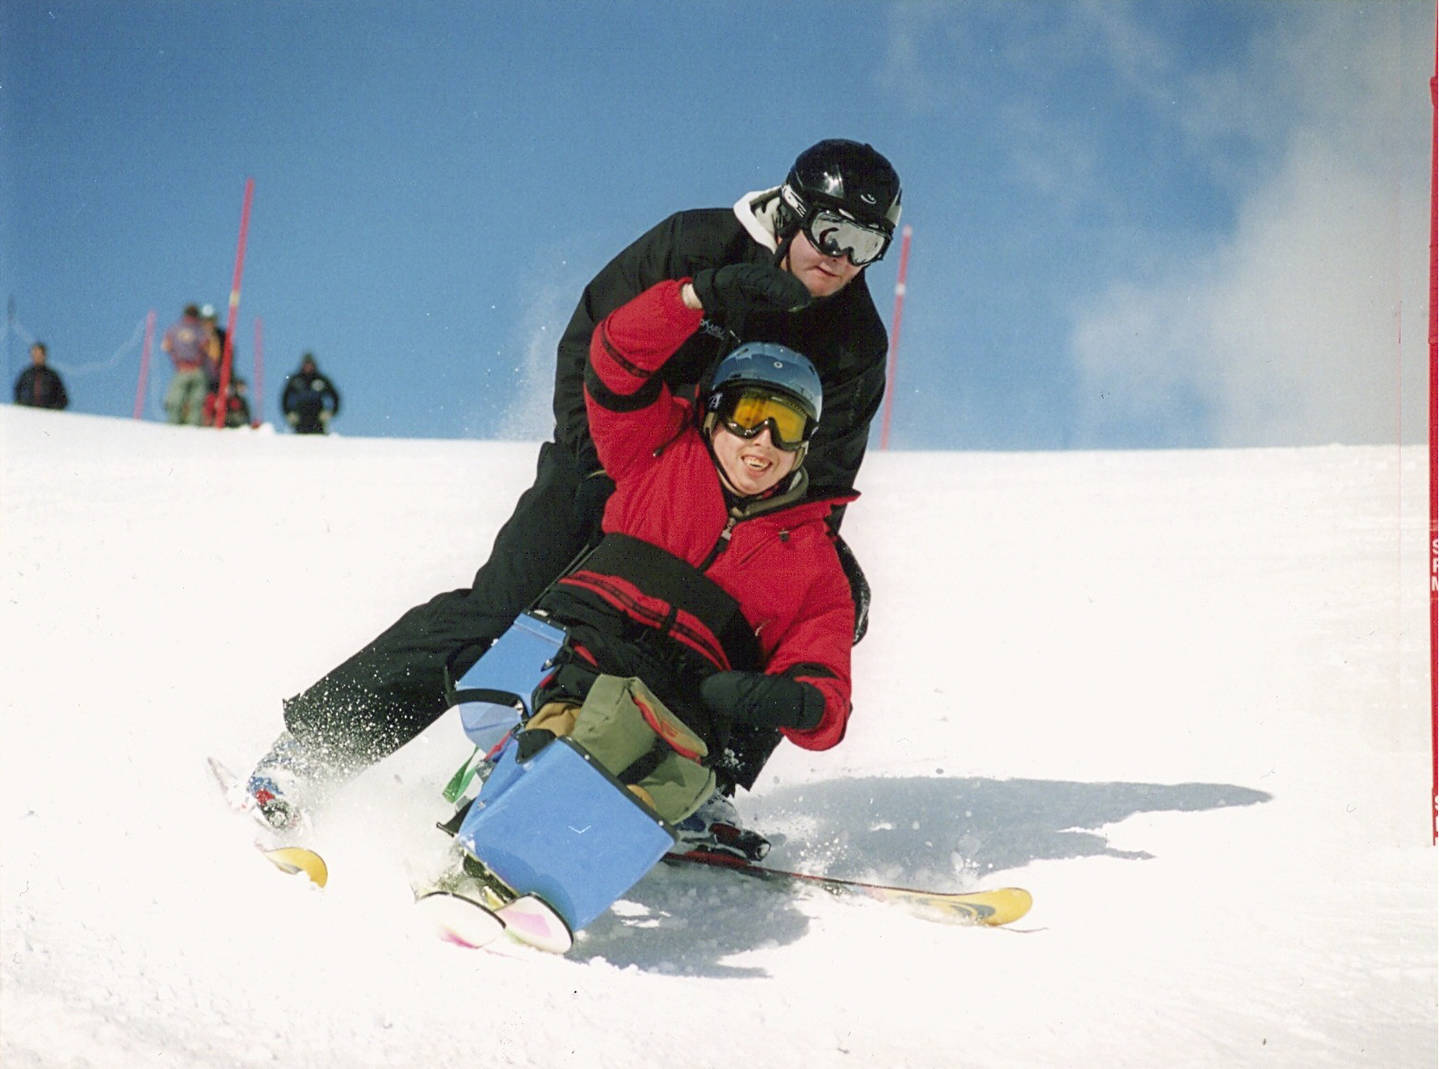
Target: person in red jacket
237,409
715,598
717,581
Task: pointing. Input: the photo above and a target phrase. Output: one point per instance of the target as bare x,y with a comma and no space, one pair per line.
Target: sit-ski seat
559,827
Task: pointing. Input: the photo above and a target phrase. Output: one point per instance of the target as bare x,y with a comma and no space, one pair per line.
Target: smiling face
750,465
823,275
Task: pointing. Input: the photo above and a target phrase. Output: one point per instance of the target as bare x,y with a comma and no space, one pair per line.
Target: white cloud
1307,322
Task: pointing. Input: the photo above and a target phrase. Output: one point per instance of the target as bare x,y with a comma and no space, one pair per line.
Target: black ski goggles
836,234
746,412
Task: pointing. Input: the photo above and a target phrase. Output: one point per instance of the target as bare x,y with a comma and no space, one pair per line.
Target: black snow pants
394,688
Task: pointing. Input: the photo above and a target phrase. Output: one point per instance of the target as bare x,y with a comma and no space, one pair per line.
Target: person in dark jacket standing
39,385
309,400
834,215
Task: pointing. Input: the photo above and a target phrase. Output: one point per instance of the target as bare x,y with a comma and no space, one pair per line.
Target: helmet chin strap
782,248
709,435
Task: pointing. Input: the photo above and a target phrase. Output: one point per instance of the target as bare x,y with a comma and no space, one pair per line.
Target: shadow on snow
933,832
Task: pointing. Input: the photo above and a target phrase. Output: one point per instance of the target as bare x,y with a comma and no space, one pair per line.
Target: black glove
590,497
768,701
727,292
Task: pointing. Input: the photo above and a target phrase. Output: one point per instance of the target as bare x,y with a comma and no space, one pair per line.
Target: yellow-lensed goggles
746,412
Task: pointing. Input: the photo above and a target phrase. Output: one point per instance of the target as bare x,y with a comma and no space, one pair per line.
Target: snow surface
1180,696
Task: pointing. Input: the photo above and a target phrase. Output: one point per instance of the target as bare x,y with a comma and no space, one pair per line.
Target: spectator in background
188,343
39,385
309,401
214,350
237,408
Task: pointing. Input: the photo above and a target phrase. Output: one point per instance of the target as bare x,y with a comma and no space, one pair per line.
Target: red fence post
1434,467
222,405
895,337
144,365
259,392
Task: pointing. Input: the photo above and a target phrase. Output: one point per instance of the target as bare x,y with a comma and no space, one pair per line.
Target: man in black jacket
39,385
309,400
835,214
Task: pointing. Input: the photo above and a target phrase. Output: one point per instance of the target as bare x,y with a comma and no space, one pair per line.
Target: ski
458,919
293,860
464,921
288,859
990,908
231,789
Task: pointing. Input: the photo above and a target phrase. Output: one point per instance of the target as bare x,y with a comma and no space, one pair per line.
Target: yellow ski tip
293,859
1009,903
1002,905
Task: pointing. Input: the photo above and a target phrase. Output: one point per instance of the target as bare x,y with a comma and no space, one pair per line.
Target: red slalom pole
259,391
144,365
895,337
222,400
1434,462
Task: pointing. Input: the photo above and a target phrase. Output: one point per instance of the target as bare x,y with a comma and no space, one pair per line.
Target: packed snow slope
1180,696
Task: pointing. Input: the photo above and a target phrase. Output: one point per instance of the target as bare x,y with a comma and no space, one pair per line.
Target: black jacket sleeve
845,339
838,447
677,247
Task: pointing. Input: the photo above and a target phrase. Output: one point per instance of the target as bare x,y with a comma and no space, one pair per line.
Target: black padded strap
666,577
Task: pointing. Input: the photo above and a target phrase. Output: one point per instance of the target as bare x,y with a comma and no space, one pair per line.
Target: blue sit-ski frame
495,694
558,826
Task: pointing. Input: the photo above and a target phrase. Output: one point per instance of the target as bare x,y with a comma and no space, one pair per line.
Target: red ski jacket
774,558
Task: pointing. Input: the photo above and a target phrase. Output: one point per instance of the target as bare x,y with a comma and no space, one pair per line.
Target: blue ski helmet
769,369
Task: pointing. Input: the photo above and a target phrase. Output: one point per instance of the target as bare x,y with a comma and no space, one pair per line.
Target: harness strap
680,586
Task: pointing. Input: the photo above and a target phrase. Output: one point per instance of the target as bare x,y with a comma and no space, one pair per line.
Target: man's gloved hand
764,700
733,290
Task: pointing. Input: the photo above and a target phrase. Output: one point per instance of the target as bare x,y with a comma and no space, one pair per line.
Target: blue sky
1135,225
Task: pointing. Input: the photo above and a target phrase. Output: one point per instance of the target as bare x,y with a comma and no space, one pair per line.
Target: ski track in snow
1180,696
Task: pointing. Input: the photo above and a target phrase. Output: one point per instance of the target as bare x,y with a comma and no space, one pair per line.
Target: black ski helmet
847,175
772,368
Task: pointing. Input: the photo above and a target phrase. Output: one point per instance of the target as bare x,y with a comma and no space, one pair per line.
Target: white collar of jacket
757,213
